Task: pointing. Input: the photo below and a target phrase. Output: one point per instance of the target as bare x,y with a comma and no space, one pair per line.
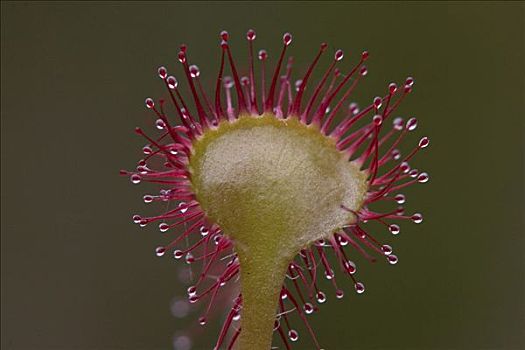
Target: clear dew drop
136,219
147,150
202,320
417,218
308,308
394,229
377,119
236,316
329,274
396,155
193,299
423,178
160,251
204,231
411,124
148,198
363,71
378,102
159,123
149,103
359,288
172,82
298,84
339,294
353,108
293,335
386,249
163,227
392,259
398,123
135,179
350,267
342,241
182,56
321,297
284,295
177,254
424,142
339,54
392,88
250,35
183,207
400,198
263,55
190,259
162,71
228,82
194,71
287,39
192,290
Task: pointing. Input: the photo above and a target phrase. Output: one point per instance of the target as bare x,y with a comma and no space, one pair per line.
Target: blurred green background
77,274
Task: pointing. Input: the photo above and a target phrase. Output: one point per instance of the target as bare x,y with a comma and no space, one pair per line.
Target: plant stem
261,281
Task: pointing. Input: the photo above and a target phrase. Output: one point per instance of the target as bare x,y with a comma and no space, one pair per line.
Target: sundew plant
269,181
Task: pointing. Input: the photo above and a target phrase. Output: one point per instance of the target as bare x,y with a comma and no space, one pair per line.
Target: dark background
76,274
